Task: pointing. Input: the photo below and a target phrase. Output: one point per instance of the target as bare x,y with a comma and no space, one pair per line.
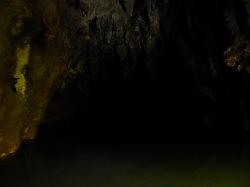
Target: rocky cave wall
48,45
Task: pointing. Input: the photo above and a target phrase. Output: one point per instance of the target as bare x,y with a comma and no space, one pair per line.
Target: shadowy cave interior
181,86
142,77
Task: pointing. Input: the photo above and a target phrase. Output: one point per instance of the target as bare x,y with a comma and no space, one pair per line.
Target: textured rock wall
47,43
30,64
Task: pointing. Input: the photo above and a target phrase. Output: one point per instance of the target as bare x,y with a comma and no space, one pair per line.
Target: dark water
123,163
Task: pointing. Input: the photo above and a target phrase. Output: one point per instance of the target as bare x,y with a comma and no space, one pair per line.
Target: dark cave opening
181,100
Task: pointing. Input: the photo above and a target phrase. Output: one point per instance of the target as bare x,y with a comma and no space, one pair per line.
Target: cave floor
134,163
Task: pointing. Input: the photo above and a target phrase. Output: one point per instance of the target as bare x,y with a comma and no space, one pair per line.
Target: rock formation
45,45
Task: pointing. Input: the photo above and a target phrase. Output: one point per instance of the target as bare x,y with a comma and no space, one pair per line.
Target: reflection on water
109,163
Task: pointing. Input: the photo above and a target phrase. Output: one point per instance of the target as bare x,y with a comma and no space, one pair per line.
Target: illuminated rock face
43,43
28,68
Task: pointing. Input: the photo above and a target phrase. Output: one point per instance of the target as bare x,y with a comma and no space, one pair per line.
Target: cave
122,83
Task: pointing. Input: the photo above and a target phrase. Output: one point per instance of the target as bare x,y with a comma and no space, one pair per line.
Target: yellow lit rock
231,57
22,55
